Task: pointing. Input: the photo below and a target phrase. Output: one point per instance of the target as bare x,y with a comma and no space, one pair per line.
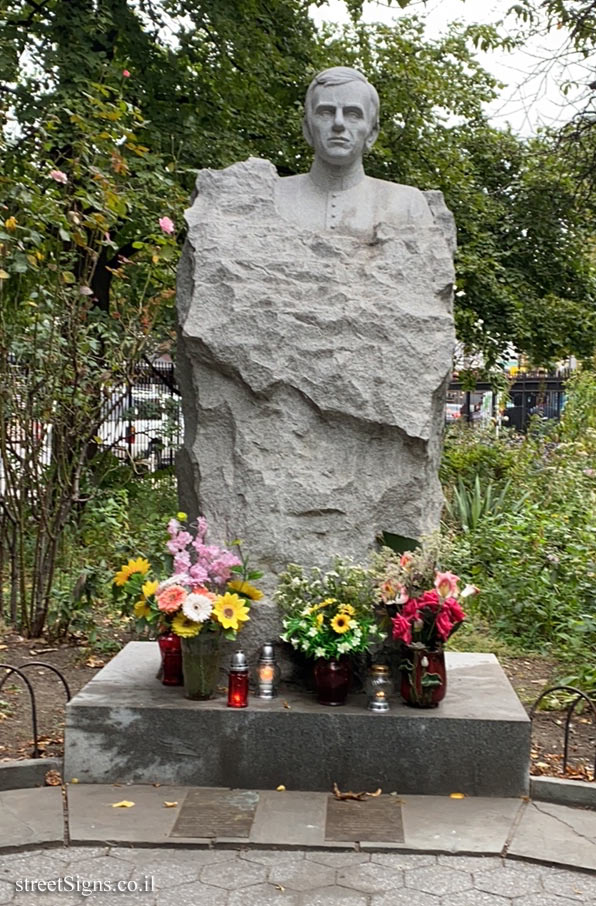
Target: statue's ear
372,137
306,132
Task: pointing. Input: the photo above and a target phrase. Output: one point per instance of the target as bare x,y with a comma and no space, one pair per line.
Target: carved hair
339,75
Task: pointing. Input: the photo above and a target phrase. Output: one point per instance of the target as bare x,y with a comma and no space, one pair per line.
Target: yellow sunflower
141,610
149,587
133,566
184,627
340,623
347,608
245,588
230,610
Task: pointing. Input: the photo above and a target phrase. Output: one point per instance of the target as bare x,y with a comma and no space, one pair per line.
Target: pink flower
126,73
388,590
173,527
429,599
405,560
443,625
446,584
59,176
167,225
454,610
171,599
469,591
199,574
182,562
410,609
402,629
179,542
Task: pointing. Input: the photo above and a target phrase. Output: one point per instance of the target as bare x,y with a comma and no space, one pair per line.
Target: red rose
410,609
454,610
429,599
402,629
443,625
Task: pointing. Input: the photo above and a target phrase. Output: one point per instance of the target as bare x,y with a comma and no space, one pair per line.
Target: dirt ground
528,675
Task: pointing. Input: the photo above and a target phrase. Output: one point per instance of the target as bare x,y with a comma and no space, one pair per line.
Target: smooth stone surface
307,824
27,773
30,817
471,825
92,819
563,792
125,726
556,833
313,368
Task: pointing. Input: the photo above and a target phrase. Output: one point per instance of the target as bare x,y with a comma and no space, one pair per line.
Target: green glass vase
200,665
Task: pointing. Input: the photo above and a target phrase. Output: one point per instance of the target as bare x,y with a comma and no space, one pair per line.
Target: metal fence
143,423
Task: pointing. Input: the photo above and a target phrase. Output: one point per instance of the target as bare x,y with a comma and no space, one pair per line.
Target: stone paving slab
442,824
558,834
92,819
31,817
290,819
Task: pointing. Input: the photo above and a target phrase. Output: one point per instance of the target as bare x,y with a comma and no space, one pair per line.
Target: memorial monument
316,341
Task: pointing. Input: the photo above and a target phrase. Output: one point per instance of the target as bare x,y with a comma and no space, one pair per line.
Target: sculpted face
341,123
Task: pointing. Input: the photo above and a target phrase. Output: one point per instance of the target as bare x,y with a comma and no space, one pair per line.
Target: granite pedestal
124,726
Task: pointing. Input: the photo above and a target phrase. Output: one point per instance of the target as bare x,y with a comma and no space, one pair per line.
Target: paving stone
406,897
76,853
181,857
302,875
338,860
471,863
371,878
29,865
264,895
31,817
233,875
273,856
458,825
93,820
64,899
507,883
556,833
306,827
438,879
403,860
6,891
571,884
543,899
333,896
102,868
474,898
191,895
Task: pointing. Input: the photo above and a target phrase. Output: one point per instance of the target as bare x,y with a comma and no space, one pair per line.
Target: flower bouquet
424,609
206,598
328,616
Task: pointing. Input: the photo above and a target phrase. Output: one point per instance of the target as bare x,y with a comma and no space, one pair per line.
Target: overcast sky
532,97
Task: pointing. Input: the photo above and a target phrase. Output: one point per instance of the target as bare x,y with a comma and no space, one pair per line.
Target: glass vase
423,678
332,680
171,659
200,665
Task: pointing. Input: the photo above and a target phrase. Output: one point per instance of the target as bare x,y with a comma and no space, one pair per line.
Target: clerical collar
324,178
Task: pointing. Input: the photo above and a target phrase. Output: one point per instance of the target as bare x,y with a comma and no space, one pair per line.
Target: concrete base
124,726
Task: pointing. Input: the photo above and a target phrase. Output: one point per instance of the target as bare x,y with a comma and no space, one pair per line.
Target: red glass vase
332,680
423,677
171,659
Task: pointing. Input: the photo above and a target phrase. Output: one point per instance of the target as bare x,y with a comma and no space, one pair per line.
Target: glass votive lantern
267,673
378,688
238,681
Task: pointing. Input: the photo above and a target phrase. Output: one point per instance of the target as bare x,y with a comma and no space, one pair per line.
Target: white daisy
197,608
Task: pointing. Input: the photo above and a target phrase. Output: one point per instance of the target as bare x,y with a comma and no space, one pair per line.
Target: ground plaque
216,813
372,820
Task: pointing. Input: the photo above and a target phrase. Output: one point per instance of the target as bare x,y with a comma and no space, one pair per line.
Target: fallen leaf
286,705
75,780
279,887
4,647
457,795
281,788
170,804
156,785
124,804
53,778
94,662
360,797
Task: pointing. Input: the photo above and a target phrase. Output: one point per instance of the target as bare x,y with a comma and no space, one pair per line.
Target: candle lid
239,663
268,654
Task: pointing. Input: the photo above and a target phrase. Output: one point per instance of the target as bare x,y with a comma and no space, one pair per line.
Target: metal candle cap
267,654
239,663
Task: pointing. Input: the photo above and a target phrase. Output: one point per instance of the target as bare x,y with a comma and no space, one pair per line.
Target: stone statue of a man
316,340
341,123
